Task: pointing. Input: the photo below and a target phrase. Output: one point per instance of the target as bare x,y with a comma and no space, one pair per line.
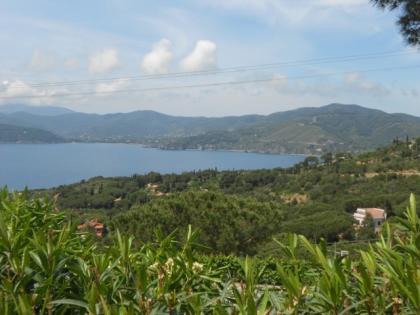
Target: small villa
378,216
94,224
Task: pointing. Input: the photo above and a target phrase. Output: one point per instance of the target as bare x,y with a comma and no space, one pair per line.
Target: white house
378,216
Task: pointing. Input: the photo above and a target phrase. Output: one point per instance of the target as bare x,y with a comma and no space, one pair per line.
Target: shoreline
146,146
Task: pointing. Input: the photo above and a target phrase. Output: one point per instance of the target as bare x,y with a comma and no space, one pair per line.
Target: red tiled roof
375,213
92,223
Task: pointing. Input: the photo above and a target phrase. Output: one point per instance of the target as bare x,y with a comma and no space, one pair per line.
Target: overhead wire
214,84
267,66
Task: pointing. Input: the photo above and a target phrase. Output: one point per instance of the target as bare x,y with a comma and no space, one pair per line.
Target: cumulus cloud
103,61
19,89
158,60
201,58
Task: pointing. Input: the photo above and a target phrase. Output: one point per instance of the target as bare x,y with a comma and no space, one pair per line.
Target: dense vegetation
48,267
332,128
240,211
14,134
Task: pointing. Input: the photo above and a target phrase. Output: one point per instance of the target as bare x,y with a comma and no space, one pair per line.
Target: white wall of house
360,216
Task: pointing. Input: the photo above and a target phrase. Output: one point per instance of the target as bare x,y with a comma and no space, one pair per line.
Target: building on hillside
98,227
378,216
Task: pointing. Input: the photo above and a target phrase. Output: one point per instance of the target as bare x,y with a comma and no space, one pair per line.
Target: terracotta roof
92,223
375,213
95,224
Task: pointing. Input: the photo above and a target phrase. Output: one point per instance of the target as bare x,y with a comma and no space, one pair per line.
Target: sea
49,165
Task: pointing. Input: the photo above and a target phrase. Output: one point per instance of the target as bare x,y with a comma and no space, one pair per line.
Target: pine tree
409,19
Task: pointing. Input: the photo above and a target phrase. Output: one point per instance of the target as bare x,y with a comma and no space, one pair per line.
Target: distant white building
378,216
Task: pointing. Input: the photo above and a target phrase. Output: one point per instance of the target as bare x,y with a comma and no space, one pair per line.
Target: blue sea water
48,165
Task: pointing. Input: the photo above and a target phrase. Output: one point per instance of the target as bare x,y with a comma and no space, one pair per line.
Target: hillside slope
334,127
15,134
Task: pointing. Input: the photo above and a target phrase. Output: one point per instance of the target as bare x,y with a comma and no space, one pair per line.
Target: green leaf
78,303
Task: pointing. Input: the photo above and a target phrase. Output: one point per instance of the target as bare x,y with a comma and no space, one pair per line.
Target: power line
236,69
215,84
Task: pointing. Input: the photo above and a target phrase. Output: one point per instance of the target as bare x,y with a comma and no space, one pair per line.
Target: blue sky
59,41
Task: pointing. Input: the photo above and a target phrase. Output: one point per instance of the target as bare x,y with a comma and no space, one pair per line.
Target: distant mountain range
36,110
135,126
335,127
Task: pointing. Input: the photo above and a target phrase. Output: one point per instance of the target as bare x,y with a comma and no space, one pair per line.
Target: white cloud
109,87
201,58
103,61
158,60
21,90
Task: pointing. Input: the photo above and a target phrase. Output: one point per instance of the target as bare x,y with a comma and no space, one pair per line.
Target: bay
49,165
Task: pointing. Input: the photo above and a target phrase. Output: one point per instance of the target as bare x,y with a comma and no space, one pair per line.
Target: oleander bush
47,266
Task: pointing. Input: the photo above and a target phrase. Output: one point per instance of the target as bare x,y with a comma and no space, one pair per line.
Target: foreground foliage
47,267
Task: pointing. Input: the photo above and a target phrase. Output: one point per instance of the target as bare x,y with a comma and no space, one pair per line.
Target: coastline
143,145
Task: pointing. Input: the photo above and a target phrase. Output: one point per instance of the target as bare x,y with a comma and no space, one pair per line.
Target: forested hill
35,110
121,127
240,211
334,127
15,134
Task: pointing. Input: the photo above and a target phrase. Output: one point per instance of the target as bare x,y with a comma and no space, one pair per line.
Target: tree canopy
409,19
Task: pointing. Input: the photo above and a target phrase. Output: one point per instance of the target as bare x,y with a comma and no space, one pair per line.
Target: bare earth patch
402,173
295,198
